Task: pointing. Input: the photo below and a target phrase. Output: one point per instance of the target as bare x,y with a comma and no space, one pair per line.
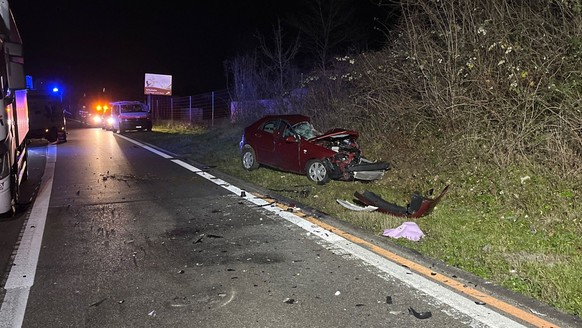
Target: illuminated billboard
158,84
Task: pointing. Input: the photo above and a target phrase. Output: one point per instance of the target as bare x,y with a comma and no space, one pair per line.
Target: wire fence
206,108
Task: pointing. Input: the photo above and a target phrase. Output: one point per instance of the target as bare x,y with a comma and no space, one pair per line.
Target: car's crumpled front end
348,163
368,170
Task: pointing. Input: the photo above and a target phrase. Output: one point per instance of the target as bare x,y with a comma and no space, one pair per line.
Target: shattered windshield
306,130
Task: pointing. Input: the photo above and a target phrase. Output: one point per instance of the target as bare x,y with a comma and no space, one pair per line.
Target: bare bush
500,77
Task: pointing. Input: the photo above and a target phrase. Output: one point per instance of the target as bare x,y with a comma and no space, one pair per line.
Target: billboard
158,84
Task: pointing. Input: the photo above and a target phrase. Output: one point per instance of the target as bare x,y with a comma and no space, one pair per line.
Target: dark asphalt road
134,240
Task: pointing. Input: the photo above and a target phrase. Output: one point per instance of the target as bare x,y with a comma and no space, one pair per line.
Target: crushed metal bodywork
348,163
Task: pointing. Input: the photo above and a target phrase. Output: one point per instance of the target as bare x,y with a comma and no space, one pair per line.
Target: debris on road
98,302
420,315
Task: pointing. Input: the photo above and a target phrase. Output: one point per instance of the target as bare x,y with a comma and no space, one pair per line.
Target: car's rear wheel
249,159
317,172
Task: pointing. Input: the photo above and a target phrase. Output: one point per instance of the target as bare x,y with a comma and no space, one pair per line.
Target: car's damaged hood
336,133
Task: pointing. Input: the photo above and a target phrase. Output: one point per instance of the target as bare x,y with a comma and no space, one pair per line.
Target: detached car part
418,206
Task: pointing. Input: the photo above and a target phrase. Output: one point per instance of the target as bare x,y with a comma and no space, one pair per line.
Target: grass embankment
519,227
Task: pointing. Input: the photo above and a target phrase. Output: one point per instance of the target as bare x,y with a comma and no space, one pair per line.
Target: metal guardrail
203,108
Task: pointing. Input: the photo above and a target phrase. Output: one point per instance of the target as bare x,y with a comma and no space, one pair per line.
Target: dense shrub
497,80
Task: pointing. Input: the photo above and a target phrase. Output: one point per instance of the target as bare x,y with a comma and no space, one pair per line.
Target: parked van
129,115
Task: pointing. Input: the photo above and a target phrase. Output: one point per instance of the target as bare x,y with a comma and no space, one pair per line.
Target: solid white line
479,314
22,273
153,150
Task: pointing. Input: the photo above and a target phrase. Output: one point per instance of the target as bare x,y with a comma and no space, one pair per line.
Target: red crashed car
291,143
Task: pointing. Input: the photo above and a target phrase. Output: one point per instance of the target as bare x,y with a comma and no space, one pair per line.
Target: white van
129,115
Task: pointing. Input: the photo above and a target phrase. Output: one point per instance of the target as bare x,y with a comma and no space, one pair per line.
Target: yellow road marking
427,272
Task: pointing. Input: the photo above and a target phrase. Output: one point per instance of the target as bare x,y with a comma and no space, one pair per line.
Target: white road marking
483,315
21,276
22,273
144,146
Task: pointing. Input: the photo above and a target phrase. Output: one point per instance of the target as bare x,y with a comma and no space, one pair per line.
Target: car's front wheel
249,159
317,172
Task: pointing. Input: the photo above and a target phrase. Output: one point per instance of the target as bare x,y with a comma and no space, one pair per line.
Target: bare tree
279,54
326,25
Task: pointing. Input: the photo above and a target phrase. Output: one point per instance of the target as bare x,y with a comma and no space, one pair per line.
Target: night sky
90,45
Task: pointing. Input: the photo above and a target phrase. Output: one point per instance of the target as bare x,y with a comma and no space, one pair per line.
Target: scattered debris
303,192
337,293
408,230
199,239
420,315
289,301
243,194
354,207
480,303
152,313
388,299
98,302
419,205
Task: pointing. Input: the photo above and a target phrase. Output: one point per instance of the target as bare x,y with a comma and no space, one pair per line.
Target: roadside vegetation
484,96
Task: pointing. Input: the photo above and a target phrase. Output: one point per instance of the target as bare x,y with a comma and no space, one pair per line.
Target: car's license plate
138,126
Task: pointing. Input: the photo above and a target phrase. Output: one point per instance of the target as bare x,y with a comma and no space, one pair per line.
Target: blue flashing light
55,89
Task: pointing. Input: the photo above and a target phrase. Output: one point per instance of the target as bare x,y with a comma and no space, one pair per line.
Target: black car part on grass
419,205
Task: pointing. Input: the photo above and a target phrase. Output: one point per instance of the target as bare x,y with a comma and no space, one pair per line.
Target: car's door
287,145
263,141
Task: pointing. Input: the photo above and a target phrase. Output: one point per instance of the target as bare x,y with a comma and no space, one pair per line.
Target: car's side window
270,126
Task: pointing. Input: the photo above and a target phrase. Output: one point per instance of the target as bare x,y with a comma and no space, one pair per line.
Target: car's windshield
306,130
133,108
